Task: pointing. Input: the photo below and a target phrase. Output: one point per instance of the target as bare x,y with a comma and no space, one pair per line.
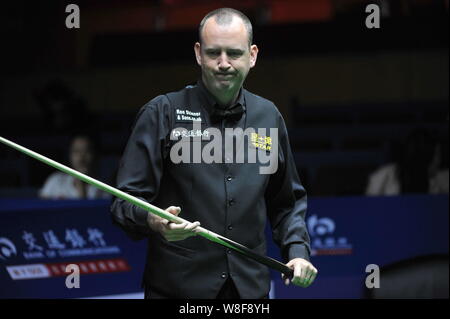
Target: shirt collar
211,102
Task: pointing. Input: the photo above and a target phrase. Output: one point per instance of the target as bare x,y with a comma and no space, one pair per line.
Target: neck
224,98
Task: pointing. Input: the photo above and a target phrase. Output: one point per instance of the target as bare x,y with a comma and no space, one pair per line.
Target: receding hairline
224,17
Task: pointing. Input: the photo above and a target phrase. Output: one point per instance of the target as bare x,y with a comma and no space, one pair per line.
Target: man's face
225,57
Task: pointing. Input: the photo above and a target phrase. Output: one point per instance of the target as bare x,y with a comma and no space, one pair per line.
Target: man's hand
170,230
304,272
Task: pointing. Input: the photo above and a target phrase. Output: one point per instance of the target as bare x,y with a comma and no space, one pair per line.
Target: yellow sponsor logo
262,142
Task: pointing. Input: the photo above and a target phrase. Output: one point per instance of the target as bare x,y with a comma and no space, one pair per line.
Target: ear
197,50
253,55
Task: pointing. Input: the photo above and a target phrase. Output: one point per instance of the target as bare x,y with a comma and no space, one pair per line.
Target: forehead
232,35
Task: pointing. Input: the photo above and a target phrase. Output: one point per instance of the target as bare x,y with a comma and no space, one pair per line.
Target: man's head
225,52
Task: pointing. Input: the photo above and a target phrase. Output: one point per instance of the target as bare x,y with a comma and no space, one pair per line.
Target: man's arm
287,202
140,173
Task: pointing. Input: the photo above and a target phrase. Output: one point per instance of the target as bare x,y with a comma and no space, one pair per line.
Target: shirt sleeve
141,168
286,203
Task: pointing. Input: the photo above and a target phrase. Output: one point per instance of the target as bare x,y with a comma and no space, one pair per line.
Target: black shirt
228,197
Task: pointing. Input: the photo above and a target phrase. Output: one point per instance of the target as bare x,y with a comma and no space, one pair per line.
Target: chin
225,85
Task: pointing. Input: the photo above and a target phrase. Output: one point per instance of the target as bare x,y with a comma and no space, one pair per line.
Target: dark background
350,95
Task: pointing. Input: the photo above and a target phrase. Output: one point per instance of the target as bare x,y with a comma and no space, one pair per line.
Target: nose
223,62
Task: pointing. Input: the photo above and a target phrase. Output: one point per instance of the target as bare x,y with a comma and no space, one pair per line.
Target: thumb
174,210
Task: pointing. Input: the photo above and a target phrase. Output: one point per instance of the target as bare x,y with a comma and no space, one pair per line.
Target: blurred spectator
418,169
63,186
62,109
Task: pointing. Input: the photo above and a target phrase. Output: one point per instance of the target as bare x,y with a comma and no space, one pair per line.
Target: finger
184,228
170,233
180,232
172,209
312,278
297,282
166,223
290,264
173,226
175,210
178,235
192,226
305,276
286,281
296,279
309,276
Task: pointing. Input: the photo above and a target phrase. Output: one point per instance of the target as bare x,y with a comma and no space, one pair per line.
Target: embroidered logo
180,133
260,141
186,116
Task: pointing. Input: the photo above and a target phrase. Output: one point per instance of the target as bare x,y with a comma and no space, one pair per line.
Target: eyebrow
233,51
238,51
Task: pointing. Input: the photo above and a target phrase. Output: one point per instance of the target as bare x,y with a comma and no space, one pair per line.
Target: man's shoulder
181,93
167,99
156,101
263,104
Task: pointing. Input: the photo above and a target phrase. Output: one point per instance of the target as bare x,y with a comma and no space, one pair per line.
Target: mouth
224,75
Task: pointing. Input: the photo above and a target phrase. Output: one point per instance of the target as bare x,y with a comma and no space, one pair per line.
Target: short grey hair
224,16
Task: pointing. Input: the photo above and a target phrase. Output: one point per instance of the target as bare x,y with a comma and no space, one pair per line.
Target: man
232,199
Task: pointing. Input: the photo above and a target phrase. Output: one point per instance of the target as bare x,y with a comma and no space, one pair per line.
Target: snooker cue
241,249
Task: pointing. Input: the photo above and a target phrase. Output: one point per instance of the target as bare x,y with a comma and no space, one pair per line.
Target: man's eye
213,53
234,54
